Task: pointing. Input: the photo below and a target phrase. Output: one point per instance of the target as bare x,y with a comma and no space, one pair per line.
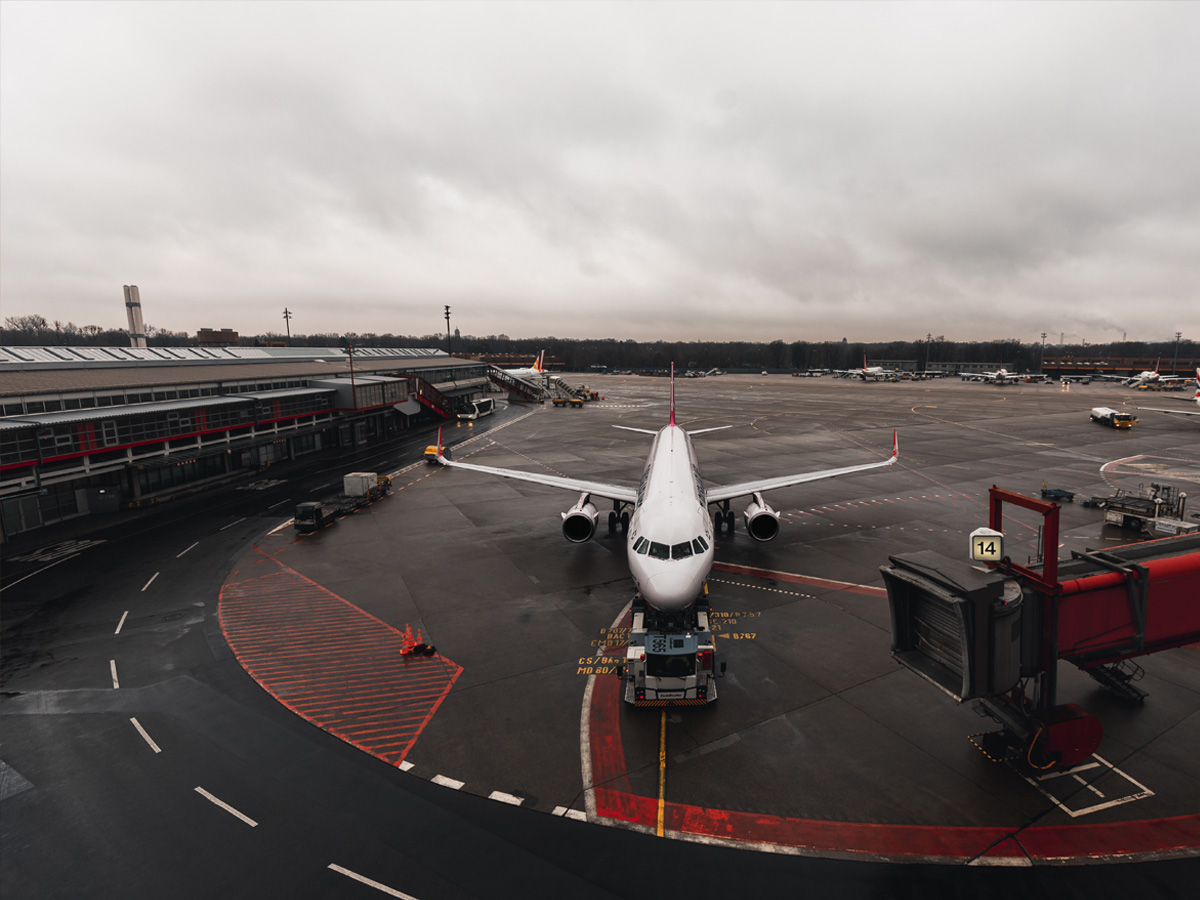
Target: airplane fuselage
670,539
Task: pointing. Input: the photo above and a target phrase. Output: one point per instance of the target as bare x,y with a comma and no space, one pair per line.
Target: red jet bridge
996,635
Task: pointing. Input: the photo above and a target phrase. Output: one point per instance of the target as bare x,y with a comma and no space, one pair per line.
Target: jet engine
579,522
762,522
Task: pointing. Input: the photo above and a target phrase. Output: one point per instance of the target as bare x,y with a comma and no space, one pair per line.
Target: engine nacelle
762,522
579,522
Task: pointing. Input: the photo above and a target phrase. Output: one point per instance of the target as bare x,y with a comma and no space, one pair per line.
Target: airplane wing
600,489
728,492
1174,412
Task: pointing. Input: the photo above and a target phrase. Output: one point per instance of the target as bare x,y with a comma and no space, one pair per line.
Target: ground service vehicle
479,409
1113,418
671,659
359,489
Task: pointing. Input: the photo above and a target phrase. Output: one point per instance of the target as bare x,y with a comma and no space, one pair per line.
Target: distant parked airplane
1181,412
535,371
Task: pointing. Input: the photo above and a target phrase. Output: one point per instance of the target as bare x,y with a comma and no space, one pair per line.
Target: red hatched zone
331,663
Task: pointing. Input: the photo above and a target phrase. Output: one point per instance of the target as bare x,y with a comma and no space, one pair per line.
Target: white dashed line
391,892
122,622
150,582
223,527
225,806
447,782
577,814
145,737
177,555
405,766
112,665
510,799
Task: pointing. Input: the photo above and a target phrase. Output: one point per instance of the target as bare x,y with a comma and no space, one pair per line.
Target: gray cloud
699,171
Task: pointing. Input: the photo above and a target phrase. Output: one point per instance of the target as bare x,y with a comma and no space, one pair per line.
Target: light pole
353,387
1178,335
287,321
448,331
928,341
1042,356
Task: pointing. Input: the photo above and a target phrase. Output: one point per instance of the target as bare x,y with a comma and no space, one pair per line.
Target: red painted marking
615,800
800,579
332,663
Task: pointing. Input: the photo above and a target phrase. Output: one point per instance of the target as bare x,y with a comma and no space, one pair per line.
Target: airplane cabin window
659,551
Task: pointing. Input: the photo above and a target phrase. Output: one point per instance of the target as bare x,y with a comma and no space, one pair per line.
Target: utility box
359,484
955,625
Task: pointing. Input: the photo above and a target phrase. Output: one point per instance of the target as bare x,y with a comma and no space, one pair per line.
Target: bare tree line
581,354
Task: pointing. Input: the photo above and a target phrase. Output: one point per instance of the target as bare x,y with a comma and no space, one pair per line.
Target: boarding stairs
430,397
517,388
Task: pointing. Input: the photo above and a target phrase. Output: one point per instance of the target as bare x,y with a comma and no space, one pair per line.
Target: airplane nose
670,591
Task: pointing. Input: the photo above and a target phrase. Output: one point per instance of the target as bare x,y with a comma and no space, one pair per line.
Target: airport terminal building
95,429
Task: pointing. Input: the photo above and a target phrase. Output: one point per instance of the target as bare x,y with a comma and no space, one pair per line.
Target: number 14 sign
987,545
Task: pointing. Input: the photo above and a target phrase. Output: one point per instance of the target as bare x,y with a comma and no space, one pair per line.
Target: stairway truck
671,659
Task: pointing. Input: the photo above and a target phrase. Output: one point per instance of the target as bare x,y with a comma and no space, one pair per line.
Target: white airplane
537,370
1000,376
1149,376
867,373
669,540
1181,412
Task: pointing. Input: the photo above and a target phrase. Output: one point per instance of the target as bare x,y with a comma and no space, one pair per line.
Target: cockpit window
681,551
641,545
699,544
659,551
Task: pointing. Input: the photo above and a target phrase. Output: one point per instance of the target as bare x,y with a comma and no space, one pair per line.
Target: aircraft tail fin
1198,384
672,393
539,365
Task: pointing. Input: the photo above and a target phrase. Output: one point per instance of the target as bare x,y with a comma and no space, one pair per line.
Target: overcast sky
690,171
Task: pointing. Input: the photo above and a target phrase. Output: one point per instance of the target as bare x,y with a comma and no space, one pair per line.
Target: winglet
672,393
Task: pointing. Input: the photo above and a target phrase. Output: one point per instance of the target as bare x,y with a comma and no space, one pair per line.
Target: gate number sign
987,545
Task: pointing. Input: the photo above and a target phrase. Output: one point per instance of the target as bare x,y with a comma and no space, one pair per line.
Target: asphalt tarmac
816,722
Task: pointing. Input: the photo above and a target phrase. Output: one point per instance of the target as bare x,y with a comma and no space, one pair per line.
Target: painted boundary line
39,571
363,879
145,737
225,806
807,580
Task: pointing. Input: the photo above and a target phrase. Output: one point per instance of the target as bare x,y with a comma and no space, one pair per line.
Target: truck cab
310,516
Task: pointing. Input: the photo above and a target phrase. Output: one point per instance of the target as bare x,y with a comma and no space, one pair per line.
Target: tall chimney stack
133,311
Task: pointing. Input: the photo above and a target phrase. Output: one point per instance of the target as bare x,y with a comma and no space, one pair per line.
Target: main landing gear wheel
730,521
612,522
625,521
